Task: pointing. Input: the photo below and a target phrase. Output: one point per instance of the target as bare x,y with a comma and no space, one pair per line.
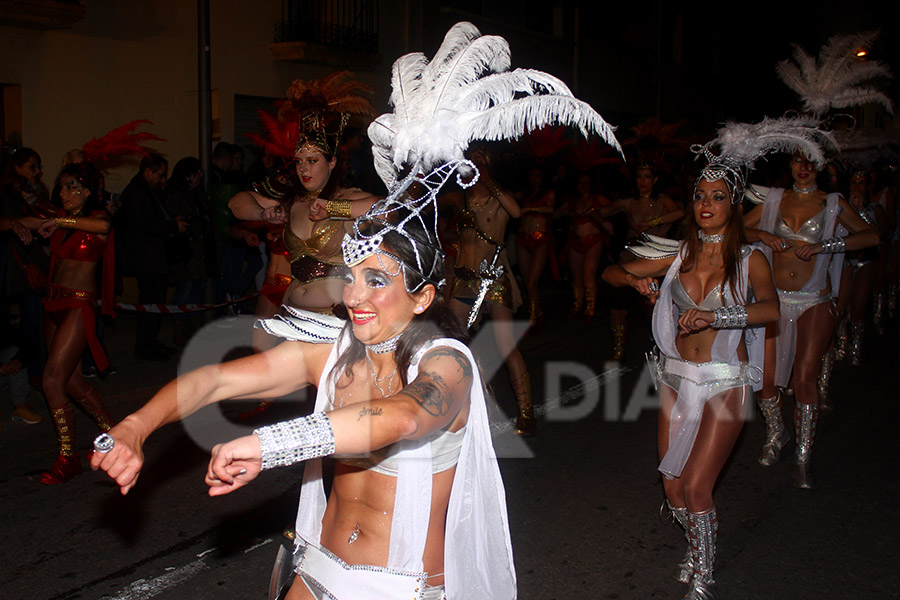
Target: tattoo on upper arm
431,393
462,362
430,390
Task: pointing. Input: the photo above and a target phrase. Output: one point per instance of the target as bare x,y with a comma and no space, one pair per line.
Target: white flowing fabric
693,393
828,267
478,561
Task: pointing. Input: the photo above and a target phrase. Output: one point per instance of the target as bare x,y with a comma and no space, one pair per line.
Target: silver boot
842,338
702,528
824,379
878,312
680,516
805,418
857,329
776,434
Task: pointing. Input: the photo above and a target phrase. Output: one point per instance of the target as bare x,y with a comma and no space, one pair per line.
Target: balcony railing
341,24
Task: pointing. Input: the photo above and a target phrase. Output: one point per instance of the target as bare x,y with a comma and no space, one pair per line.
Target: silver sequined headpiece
397,213
732,172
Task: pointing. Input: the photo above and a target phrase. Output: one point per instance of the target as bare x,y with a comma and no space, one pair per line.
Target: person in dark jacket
146,227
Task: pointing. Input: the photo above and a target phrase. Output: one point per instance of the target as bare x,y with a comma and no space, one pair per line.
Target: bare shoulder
447,359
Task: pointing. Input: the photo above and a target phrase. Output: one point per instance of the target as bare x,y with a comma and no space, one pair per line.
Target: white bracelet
730,317
296,440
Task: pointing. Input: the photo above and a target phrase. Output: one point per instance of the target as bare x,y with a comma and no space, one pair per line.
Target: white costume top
699,381
825,267
478,561
793,304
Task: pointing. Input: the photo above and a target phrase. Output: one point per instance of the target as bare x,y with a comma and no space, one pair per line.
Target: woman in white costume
713,288
417,507
401,407
797,231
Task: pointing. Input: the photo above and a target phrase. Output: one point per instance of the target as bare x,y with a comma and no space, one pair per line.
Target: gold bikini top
325,240
320,243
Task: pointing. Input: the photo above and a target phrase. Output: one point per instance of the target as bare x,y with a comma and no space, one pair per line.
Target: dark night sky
714,61
728,54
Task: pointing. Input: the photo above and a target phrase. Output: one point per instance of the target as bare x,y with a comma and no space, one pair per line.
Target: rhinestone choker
385,346
808,190
717,238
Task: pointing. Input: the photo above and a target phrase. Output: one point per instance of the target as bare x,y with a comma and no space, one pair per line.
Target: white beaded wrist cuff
835,245
730,317
296,440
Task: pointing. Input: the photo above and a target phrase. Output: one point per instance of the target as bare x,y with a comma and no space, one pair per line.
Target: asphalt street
583,495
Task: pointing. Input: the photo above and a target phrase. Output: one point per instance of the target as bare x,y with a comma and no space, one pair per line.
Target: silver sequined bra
810,232
684,301
445,448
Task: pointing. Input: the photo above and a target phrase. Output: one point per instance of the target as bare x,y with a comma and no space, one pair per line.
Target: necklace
717,238
808,190
388,378
385,346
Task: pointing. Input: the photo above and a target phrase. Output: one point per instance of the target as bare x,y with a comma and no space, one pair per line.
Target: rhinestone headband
722,168
359,246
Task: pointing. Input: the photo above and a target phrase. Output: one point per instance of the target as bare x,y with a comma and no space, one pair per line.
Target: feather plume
587,154
322,107
335,93
658,144
281,136
118,143
545,142
836,78
745,143
466,93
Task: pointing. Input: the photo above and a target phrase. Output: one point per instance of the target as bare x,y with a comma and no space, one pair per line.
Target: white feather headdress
838,78
467,93
740,145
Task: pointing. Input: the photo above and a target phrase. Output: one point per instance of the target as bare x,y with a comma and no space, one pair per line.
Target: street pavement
583,495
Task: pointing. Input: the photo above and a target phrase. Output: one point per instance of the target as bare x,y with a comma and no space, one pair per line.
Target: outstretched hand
23,232
123,463
647,286
47,228
233,465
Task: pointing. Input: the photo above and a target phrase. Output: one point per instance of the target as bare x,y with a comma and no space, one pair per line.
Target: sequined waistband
57,291
799,298
707,373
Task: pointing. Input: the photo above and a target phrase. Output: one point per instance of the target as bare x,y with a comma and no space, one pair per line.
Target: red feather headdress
107,151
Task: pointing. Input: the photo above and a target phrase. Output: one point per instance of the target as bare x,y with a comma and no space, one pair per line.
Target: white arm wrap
296,440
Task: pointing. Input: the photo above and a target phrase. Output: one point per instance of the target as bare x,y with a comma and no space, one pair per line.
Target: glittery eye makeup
376,279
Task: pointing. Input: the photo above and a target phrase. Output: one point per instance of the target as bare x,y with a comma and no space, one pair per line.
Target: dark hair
222,150
87,175
17,158
731,247
823,179
183,169
436,321
334,179
153,161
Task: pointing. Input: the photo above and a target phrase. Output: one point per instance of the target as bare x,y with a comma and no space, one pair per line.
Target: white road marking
144,589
